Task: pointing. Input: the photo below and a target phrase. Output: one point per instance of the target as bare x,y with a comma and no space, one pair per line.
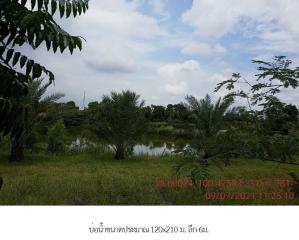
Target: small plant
192,165
56,138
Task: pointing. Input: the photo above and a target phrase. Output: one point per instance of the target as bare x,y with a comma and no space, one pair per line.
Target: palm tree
33,109
209,117
120,120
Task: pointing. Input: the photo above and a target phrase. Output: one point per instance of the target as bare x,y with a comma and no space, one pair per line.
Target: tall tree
209,119
209,116
29,22
32,110
120,120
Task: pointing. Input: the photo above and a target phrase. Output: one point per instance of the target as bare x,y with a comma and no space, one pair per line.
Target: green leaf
61,43
2,50
78,43
4,32
79,7
30,34
40,4
53,6
71,45
84,7
29,66
38,39
19,40
55,44
49,39
23,61
68,9
48,44
12,36
66,41
16,58
37,71
61,7
46,4
33,3
74,10
51,77
9,55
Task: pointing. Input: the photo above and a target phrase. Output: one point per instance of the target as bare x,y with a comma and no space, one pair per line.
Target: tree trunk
18,137
120,153
17,146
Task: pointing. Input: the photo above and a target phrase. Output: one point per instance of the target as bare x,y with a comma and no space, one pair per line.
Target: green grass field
101,180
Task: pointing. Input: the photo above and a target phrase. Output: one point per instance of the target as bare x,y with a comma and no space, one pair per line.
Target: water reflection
159,146
149,146
152,150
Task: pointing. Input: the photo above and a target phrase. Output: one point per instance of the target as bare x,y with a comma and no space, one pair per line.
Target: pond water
151,150
157,146
150,147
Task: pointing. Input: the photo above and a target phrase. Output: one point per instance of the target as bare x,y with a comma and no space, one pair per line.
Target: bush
56,137
165,130
192,165
39,147
281,147
4,142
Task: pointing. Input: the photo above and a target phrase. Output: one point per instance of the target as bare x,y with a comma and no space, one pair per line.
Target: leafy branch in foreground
272,77
274,121
32,23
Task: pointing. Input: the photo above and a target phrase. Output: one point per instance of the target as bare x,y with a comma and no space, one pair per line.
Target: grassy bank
101,180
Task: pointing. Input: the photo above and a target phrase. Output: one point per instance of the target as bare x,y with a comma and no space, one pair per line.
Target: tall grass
99,179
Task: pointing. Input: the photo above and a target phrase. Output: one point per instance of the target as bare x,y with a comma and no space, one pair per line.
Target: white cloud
128,49
177,88
159,7
177,76
216,18
199,48
173,70
116,42
118,39
218,48
189,77
275,22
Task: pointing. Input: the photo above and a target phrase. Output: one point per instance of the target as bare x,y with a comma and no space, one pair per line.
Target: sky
166,49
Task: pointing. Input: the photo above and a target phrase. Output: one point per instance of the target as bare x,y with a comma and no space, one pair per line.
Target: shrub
56,137
281,147
192,165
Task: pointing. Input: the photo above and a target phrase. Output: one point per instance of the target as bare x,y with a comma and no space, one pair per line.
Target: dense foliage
33,109
119,119
31,23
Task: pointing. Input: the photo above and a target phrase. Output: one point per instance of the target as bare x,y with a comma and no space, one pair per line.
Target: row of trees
266,129
170,113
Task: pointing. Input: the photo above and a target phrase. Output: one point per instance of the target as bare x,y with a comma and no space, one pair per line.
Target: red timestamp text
243,196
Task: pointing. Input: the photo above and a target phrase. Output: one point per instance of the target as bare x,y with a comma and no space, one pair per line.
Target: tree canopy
120,120
32,23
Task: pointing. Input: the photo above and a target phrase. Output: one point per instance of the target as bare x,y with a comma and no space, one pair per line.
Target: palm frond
52,98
